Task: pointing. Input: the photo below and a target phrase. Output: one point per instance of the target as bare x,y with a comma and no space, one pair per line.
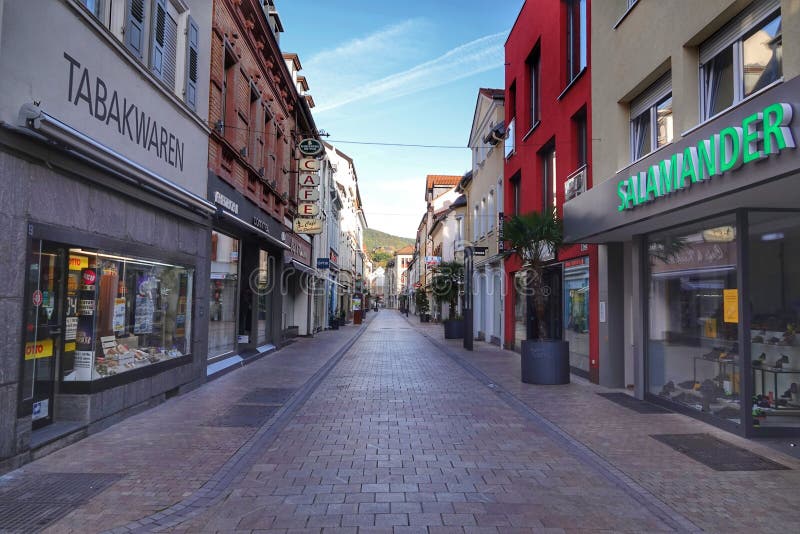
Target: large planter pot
453,328
335,324
424,318
545,362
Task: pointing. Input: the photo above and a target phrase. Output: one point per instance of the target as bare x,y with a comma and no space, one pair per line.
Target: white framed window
490,212
483,216
576,38
742,58
460,232
475,222
651,118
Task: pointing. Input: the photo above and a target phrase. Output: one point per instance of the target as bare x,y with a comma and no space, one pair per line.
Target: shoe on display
688,384
712,355
668,388
761,358
781,361
757,339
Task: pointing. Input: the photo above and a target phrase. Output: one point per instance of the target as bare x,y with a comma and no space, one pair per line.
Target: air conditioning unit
575,184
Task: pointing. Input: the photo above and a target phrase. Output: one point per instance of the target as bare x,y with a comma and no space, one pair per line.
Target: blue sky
408,72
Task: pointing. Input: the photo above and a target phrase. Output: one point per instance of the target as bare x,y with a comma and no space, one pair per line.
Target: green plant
446,284
421,301
534,238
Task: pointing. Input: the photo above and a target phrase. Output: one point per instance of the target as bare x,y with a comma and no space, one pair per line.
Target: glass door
43,330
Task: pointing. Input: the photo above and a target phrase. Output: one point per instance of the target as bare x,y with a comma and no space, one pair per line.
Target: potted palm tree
534,238
446,286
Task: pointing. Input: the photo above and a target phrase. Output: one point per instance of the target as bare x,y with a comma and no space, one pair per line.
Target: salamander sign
759,136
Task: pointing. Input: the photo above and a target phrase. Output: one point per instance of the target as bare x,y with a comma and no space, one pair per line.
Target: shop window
261,286
774,240
742,58
651,118
693,351
223,291
96,314
576,311
576,38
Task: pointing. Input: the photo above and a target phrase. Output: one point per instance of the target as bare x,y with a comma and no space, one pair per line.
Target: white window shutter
134,26
192,53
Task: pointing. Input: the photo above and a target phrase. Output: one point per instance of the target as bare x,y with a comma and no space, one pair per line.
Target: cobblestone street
403,432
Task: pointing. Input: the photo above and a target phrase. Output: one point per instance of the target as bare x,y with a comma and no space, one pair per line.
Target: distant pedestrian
406,311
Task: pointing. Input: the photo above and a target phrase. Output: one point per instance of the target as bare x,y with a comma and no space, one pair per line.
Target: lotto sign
309,165
39,349
308,179
37,298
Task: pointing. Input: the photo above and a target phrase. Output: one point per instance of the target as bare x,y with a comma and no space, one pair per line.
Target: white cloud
477,56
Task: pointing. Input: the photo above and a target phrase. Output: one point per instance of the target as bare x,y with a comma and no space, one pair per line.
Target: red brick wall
237,28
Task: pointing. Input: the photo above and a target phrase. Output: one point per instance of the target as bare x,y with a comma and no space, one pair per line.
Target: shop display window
692,352
576,311
520,310
774,240
260,284
223,291
122,313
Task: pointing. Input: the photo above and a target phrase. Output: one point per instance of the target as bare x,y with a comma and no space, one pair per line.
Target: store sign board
310,146
77,263
759,135
323,263
305,225
307,209
87,87
308,179
309,165
308,194
229,199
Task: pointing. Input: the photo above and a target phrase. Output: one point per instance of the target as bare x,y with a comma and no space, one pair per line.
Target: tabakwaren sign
760,135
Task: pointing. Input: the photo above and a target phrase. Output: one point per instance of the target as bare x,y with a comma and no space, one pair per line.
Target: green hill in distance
381,246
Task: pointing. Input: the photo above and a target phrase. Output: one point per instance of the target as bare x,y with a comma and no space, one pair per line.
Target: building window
548,156
475,223
490,212
533,84
581,139
95,7
651,118
515,195
742,58
228,92
576,38
460,233
511,142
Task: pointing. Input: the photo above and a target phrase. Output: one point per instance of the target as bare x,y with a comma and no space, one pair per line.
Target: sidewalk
716,501
162,456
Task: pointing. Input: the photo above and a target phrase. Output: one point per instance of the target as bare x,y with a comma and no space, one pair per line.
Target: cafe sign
759,136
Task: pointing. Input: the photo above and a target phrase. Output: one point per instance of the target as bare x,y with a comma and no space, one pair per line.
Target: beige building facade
694,203
484,190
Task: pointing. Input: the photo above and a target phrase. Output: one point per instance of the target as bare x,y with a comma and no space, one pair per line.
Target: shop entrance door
553,324
44,306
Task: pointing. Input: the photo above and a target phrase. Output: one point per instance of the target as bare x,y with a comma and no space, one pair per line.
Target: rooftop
433,180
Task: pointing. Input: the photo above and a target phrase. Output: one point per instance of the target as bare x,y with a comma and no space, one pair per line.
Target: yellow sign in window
39,349
730,305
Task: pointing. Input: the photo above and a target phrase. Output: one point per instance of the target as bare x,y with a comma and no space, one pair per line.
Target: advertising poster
84,361
119,315
143,318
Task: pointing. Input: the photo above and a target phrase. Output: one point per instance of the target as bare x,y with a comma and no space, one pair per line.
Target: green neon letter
652,184
708,155
752,135
730,145
622,191
690,162
666,175
777,134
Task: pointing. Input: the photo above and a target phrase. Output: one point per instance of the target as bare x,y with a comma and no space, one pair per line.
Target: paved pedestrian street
387,427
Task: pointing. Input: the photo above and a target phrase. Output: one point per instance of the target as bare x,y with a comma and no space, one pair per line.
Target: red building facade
548,161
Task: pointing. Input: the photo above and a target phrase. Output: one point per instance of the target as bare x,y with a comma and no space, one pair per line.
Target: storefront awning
305,269
261,233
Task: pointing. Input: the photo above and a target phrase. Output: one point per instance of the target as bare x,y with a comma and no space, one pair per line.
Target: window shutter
651,95
157,34
192,40
134,27
741,24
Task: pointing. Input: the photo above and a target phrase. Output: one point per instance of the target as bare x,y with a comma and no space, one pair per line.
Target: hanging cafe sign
760,135
308,221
